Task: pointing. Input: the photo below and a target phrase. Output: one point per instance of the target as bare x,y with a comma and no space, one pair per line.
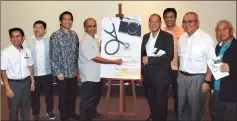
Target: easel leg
107,99
121,97
134,98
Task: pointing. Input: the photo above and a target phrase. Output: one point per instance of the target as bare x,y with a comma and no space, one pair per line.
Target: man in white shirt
195,48
17,75
39,46
89,70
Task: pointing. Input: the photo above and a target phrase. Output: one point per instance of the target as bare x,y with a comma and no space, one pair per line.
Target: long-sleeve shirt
64,53
40,54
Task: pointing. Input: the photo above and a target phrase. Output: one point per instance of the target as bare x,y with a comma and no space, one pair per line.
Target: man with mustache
195,48
17,75
89,69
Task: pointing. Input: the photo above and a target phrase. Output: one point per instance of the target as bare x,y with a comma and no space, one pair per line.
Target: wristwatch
208,82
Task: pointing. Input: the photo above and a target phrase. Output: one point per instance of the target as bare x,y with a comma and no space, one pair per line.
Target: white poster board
121,38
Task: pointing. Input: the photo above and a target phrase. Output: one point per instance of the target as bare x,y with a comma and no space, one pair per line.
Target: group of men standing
56,58
34,65
184,67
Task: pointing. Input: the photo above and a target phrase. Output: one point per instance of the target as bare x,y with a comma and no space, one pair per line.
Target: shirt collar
221,43
44,37
90,37
155,36
13,47
172,29
194,34
62,30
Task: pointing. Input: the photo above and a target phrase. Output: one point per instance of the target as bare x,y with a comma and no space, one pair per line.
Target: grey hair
224,21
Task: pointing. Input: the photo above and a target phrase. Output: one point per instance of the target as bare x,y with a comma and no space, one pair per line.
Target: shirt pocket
197,52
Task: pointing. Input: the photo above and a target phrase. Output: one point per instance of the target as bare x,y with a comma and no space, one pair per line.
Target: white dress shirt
194,51
16,62
40,57
151,43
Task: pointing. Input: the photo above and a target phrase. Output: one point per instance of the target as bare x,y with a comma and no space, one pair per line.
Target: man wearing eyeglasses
89,70
195,48
170,15
224,97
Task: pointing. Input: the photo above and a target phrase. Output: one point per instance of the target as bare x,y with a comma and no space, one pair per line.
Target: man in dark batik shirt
64,45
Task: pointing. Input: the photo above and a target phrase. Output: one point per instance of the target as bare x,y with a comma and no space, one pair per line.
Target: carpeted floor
142,110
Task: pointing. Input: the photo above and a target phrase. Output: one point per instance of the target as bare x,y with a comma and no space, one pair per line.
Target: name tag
26,56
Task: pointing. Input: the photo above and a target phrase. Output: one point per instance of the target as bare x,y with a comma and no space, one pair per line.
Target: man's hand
205,87
60,77
145,60
32,86
118,61
9,93
225,67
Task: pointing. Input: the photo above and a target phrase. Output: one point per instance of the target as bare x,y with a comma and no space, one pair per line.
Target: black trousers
90,98
45,84
222,111
67,90
174,86
157,96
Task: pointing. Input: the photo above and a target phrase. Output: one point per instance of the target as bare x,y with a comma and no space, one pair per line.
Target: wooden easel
122,106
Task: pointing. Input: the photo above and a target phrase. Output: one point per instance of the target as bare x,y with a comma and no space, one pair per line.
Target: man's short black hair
64,13
167,10
41,22
16,29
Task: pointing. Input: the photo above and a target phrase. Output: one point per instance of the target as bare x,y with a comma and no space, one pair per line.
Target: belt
188,74
18,80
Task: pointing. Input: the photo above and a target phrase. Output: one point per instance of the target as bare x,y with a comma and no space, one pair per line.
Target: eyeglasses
189,22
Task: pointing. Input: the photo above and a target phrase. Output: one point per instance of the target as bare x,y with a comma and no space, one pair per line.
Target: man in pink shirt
170,16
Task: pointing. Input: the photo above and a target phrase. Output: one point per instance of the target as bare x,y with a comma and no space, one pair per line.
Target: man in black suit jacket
224,97
157,53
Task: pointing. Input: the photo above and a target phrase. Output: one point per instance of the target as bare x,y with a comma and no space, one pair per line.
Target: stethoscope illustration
126,45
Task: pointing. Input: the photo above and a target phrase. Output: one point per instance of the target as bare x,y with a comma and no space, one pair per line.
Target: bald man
89,70
195,48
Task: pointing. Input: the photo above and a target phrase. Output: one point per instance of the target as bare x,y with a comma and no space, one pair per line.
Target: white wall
24,13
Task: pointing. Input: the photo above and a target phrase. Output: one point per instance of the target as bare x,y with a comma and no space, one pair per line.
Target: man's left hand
225,67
